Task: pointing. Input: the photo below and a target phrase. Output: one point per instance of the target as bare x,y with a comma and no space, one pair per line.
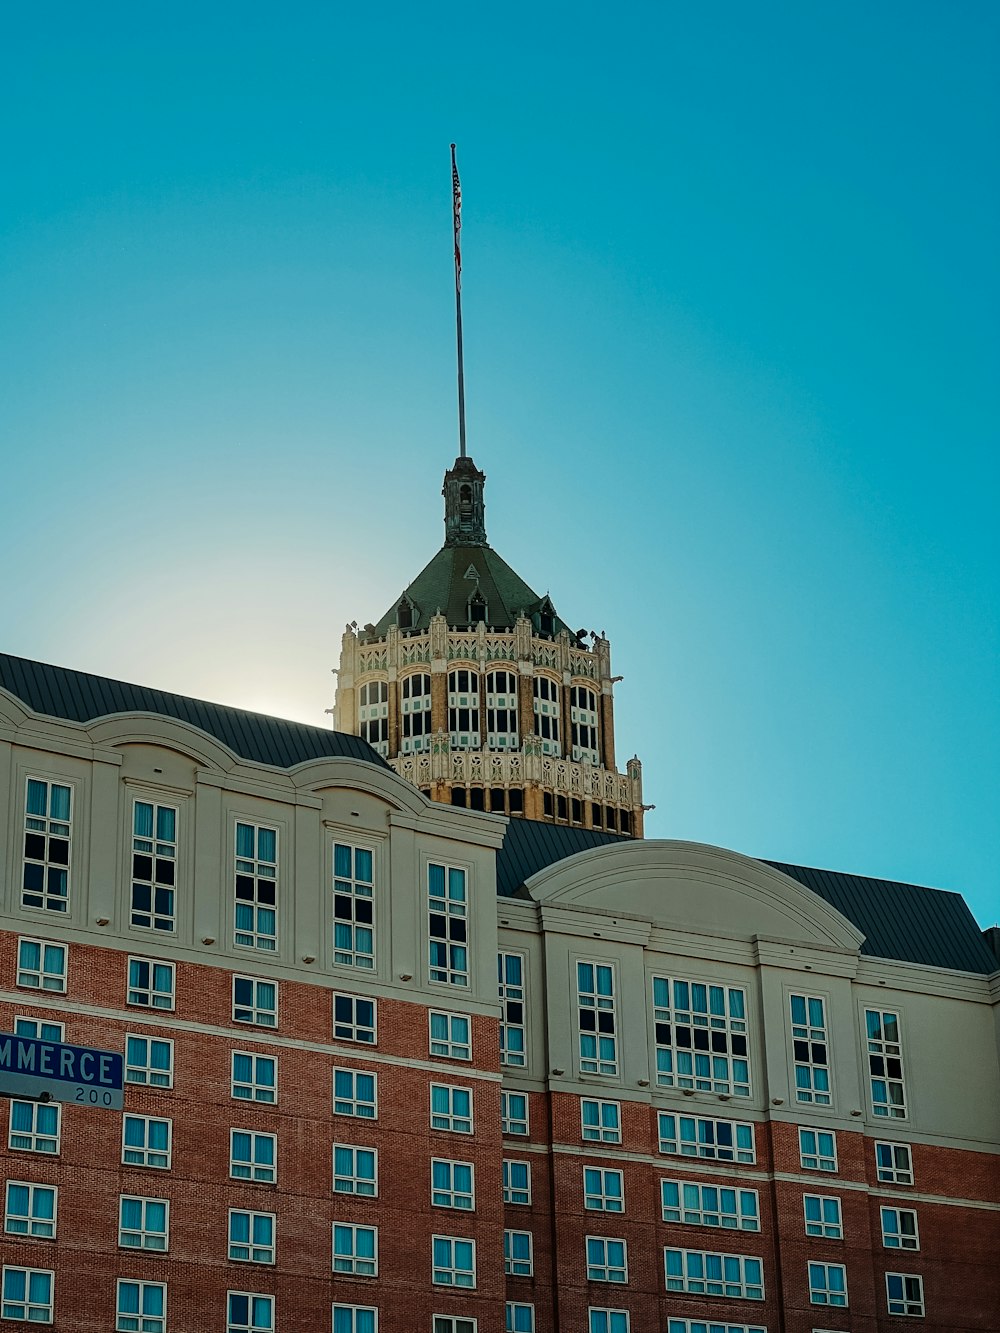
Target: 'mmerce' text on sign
55,1071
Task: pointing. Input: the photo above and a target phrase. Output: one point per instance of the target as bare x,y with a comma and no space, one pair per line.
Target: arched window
463,709
546,705
416,710
501,710
583,722
373,715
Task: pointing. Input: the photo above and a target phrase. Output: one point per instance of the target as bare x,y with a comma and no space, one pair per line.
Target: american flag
456,191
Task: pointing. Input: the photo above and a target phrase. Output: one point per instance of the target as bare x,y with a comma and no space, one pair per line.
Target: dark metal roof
78,696
530,846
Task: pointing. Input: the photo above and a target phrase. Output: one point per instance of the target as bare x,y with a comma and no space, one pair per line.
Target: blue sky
730,284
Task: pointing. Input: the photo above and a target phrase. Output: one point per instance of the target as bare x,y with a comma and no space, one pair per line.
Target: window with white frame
603,1320
41,966
146,1141
894,1163
451,1108
817,1150
705,1136
248,1312
827,1284
453,1261
149,1060
501,710
452,1184
48,814
39,1029
810,1049
514,1112
355,1249
904,1293
141,1307
701,1036
353,906
583,723
607,1260
35,1126
518,1254
27,1294
706,1273
416,712
355,1170
255,920
885,1063
603,1191
516,1182
255,1001
143,1224
30,1210
709,1205
601,1121
254,1077
150,984
251,1236
373,715
450,1035
448,925
355,1092
899,1229
253,1156
355,1319
519,1317
154,866
447,1323
595,986
463,709
545,703
510,976
823,1216
698,1326
354,1019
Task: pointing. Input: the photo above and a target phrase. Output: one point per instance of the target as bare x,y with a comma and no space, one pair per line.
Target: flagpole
456,190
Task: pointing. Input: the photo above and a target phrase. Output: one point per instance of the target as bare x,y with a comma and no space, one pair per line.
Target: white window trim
453,1267
602,1133
470,1194
604,1242
61,976
736,1187
509,1189
354,1100
147,1120
354,1177
455,1050
34,1132
29,1273
820,1156
356,1027
254,1006
452,1088
33,1188
823,1234
827,1289
251,1161
147,1068
253,1085
603,1194
142,1231
252,1213
151,1006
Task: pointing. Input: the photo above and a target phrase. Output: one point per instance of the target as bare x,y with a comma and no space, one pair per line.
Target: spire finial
456,193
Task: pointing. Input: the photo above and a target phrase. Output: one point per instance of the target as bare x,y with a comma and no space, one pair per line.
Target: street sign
53,1071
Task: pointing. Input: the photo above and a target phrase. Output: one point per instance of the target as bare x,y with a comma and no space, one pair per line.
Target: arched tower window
463,709
501,710
373,714
416,710
583,723
465,509
546,704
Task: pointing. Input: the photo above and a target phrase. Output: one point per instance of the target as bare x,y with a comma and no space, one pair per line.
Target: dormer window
477,608
404,613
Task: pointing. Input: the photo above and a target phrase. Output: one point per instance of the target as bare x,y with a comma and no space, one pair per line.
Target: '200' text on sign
56,1071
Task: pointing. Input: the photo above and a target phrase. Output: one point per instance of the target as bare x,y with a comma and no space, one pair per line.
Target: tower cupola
464,506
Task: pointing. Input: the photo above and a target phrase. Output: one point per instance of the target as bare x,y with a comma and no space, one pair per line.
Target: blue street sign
54,1071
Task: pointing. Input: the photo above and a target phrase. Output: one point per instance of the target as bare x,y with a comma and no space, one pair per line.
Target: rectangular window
709,1205
607,1260
416,709
827,1284
253,1156
143,1224
35,1126
355,1319
150,984
451,1035
904,1293
894,1163
601,1120
451,1108
514,1112
817,1150
701,1036
149,1060
696,1326
452,1184
705,1273
446,1323
510,974
355,1092
30,1210
255,1001
603,1191
39,1029
595,985
353,906
355,1249
822,1215
516,1182
885,1063
27,1294
48,812
454,1262
355,1170
246,1312
617,1321
518,1258
701,1136
899,1229
41,966
251,1236
354,1019
146,1141
142,1307
154,866
519,1318
254,1077
255,923
448,931
810,1049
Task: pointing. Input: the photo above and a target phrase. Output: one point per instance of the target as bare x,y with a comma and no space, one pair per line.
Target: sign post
54,1071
